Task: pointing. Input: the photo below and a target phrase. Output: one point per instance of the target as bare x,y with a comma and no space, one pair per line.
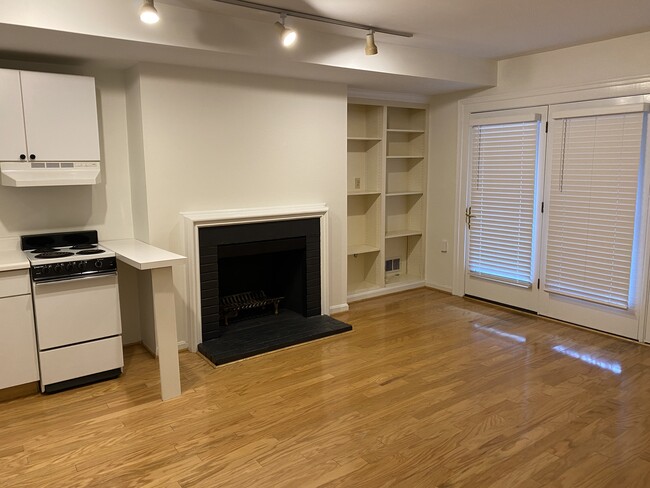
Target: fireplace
280,258
282,251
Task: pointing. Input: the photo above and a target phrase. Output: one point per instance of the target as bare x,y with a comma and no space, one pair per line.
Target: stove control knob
69,266
57,268
99,263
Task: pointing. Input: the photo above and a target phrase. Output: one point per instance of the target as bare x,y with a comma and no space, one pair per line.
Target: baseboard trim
436,286
343,307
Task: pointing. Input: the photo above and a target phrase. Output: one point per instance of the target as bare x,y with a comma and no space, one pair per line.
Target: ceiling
494,29
456,43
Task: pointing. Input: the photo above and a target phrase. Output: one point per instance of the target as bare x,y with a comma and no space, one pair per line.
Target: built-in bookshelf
386,198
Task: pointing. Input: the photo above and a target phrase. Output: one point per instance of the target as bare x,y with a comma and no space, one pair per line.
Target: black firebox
281,258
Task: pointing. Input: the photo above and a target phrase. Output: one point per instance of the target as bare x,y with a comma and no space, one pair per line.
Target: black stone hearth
268,333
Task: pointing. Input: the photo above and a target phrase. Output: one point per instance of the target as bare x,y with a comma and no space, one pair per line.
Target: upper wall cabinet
47,117
12,128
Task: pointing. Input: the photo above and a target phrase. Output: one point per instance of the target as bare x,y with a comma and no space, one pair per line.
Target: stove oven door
76,310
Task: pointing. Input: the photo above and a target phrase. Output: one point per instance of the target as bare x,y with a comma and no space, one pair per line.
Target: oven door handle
75,278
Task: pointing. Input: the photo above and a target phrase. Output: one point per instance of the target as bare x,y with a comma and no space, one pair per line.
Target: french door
558,224
503,210
594,260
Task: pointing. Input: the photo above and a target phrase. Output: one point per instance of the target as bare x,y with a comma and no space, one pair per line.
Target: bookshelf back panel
365,121
406,118
363,220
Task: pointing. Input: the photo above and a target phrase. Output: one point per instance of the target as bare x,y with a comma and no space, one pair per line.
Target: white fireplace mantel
193,221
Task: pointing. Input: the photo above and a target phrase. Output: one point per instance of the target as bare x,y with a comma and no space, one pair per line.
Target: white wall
443,132
565,70
221,140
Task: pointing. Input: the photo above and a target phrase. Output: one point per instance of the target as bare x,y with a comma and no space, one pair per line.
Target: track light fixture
148,13
287,36
371,47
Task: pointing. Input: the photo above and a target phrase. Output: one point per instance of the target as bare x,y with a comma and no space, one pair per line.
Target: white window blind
593,202
504,161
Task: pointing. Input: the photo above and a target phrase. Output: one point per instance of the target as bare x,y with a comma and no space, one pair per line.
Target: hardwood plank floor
428,390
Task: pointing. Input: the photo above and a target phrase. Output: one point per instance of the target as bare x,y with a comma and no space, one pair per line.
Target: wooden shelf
362,193
407,131
404,156
365,139
404,193
403,233
361,249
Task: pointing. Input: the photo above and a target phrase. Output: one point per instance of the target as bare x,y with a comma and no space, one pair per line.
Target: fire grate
231,305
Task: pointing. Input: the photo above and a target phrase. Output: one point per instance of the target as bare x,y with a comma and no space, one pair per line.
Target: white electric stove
76,308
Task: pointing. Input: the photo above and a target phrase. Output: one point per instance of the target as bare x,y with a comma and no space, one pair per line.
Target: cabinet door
12,128
60,116
18,344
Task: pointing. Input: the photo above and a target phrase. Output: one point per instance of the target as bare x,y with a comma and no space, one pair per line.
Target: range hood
49,174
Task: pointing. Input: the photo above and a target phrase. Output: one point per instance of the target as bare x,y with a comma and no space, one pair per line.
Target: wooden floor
428,390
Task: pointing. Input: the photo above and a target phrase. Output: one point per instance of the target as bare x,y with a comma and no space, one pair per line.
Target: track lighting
148,13
371,47
287,36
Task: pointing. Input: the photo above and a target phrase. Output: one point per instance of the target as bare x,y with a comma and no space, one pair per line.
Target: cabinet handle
23,157
32,156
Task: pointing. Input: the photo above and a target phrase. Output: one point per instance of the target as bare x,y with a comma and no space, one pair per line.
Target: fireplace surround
206,231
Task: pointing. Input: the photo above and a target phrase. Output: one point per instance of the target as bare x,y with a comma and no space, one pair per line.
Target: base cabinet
18,346
387,171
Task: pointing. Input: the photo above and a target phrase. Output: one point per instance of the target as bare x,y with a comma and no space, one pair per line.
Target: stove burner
44,249
53,254
84,246
90,251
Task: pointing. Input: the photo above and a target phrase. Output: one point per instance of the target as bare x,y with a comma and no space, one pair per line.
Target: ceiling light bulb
371,47
148,13
288,36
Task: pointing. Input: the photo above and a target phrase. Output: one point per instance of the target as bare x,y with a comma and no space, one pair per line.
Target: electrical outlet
357,183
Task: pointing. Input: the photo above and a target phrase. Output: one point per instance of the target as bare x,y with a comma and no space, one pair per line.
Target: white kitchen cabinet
49,117
18,360
12,128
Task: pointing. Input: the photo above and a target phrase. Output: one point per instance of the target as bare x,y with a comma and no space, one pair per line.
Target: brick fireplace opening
280,258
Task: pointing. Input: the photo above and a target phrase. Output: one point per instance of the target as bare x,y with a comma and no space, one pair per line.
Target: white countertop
141,255
13,259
